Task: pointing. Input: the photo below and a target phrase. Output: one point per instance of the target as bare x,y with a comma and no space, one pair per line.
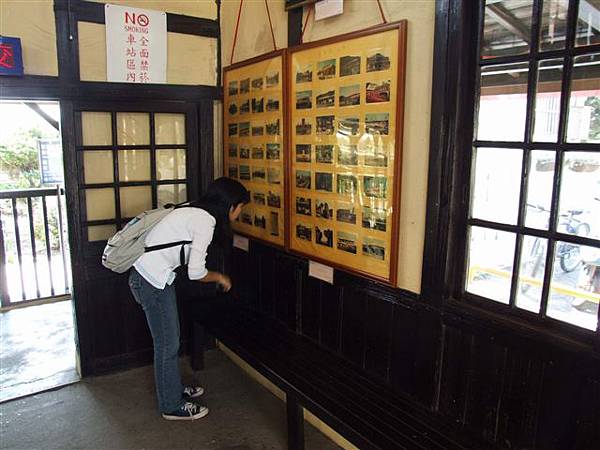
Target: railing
33,267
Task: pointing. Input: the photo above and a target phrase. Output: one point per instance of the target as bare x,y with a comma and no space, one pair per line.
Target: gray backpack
125,247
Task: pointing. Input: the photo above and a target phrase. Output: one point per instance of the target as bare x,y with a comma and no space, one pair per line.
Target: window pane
547,101
101,232
171,193
491,255
580,190
96,128
588,23
133,128
531,273
507,28
169,129
497,184
135,200
539,189
98,167
100,204
170,164
574,294
503,102
584,104
134,165
554,25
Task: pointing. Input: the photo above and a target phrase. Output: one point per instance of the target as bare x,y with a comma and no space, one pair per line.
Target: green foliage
594,102
19,159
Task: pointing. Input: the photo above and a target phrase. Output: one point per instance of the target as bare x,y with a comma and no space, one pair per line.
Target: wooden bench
364,412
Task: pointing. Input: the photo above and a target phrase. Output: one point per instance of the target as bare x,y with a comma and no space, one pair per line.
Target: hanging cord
310,8
271,25
236,32
381,11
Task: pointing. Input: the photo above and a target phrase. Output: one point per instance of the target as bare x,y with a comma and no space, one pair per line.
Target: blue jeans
160,306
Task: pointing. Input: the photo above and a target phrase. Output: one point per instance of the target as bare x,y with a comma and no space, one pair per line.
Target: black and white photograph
274,223
245,86
233,172
377,123
272,79
303,153
232,109
324,181
260,221
326,98
349,65
324,236
374,219
324,154
247,218
244,152
375,186
245,107
273,152
304,232
258,198
274,175
274,200
378,92
244,172
257,151
377,62
273,128
347,184
257,83
244,129
325,125
350,95
374,248
349,126
324,209
232,88
347,155
345,212
304,206
304,75
258,174
326,69
376,159
303,179
258,105
346,242
232,129
303,99
303,127
273,104
233,150
258,130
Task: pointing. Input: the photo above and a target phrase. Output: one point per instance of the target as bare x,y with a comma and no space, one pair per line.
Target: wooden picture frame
345,117
255,143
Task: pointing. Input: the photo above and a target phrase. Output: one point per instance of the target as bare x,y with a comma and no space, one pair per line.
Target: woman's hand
225,282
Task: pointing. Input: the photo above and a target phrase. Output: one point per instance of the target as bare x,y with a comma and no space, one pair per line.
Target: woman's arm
219,278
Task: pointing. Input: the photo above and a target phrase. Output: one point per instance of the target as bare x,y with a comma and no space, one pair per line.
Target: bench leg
295,424
197,355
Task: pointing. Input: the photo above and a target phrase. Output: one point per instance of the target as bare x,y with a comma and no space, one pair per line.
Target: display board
345,103
254,142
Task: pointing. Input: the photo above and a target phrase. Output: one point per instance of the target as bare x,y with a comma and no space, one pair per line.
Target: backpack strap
154,248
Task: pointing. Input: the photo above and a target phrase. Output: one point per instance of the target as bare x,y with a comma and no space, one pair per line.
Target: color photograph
323,209
259,198
346,242
325,125
232,129
247,218
273,104
345,212
258,130
347,155
245,86
303,179
374,219
244,172
326,69
375,187
304,232
349,65
257,83
273,152
258,152
274,200
244,152
347,184
324,154
244,129
349,126
303,153
260,221
304,100
274,175
303,127
377,62
325,99
304,206
258,174
273,128
350,95
378,92
304,75
232,88
272,79
258,105
324,236
377,123
324,181
376,160
374,248
245,107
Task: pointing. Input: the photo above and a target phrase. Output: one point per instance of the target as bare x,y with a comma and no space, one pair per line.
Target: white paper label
136,45
241,242
328,8
320,271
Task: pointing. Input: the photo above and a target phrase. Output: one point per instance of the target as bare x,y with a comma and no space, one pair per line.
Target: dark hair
220,196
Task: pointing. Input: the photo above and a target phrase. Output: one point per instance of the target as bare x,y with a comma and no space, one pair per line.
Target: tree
19,159
594,102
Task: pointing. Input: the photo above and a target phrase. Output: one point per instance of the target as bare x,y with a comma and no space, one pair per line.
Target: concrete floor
119,411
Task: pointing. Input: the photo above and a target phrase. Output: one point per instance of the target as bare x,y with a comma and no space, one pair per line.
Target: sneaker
188,411
192,391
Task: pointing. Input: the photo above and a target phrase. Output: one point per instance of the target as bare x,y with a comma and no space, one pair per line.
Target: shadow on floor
37,349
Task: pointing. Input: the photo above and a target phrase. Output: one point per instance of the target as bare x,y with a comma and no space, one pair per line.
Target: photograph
378,92
345,212
347,155
304,75
324,181
258,152
350,95
273,151
245,152
323,209
376,160
260,221
304,206
274,200
303,153
232,150
258,105
233,129
349,126
272,79
247,218
273,128
325,124
258,130
324,154
232,109
374,248
375,186
274,224
326,69
347,184
377,123
346,242
245,86
303,127
374,219
325,99
304,232
258,174
303,179
303,99
324,237
232,88
258,198
244,129
233,172
257,83
244,172
245,107
274,175
349,65
377,62
273,104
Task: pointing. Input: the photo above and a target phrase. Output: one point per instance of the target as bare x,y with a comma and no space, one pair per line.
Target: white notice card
328,8
320,271
241,242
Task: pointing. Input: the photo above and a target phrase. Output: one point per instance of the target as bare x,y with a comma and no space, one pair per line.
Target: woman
152,276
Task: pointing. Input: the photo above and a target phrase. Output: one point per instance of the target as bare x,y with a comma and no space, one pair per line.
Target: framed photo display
254,142
345,107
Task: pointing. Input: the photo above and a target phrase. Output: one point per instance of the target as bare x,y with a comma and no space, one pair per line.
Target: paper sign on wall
328,8
136,45
241,242
320,271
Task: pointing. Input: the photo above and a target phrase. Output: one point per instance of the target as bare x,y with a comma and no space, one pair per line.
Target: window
533,226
